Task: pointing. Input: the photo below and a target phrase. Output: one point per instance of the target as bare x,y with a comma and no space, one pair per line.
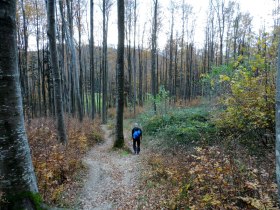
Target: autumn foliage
208,178
199,162
57,166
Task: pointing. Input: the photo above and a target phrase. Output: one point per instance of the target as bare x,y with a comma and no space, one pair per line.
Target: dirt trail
111,182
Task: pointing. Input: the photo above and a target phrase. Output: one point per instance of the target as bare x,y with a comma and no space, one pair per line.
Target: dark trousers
136,145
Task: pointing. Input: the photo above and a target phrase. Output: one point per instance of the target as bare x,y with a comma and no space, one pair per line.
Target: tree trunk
91,48
171,56
119,137
277,148
104,64
16,169
175,72
56,73
25,64
80,57
154,54
134,61
140,95
70,42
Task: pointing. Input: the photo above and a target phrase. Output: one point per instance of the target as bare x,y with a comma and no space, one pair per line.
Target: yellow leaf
224,78
207,198
253,202
215,202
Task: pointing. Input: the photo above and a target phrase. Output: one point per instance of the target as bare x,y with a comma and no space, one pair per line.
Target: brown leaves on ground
57,166
207,178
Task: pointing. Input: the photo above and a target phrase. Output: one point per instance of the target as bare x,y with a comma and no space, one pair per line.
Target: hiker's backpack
136,134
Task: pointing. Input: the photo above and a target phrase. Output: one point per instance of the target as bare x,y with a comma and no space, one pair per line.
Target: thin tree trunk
154,54
91,48
80,57
140,95
134,61
175,73
69,36
104,65
25,64
56,73
171,56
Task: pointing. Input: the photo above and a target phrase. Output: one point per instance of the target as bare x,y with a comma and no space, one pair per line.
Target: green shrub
180,125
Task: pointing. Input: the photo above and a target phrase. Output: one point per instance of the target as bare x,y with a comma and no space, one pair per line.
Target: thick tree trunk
119,137
57,82
16,169
277,148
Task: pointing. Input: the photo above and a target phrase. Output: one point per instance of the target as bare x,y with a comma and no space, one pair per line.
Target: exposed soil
112,182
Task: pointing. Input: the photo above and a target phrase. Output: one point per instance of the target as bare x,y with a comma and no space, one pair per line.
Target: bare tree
119,138
128,17
154,52
106,6
277,111
57,82
70,42
91,48
134,59
171,43
25,63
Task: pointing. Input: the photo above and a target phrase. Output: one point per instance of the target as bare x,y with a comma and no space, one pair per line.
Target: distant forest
180,68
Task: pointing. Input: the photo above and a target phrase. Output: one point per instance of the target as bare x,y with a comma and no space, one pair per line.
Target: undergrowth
183,126
57,166
195,164
207,178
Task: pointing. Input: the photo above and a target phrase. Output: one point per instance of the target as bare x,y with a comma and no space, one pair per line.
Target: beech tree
17,180
106,6
277,148
54,62
92,73
119,138
154,52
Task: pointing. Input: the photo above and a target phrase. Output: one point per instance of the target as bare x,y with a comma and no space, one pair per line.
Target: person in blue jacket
136,137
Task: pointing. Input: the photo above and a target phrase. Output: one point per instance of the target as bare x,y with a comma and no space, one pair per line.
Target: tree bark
54,63
134,61
277,148
25,64
104,66
119,137
16,169
154,54
171,55
91,48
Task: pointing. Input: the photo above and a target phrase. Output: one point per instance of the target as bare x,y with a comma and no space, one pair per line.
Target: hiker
136,137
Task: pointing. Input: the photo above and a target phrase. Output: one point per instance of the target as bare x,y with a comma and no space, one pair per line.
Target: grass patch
125,153
180,125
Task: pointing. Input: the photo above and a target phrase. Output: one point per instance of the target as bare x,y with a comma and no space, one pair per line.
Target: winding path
112,179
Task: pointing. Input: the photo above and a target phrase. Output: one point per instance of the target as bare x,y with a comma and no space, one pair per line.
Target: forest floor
112,177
